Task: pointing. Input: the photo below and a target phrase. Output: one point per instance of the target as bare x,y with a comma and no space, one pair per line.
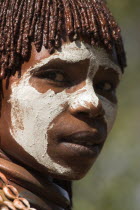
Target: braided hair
50,22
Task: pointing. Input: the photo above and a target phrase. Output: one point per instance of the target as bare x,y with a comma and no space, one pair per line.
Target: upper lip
86,138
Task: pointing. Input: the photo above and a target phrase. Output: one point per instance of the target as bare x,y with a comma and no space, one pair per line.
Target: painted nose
86,102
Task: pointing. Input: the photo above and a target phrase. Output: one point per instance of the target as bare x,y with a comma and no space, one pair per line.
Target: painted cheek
35,110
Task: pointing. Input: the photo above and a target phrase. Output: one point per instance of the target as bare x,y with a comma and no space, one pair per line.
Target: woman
61,63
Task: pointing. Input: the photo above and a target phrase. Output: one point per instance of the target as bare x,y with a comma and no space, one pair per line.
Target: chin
76,175
71,172
70,175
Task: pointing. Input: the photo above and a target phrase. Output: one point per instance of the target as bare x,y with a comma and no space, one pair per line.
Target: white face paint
32,112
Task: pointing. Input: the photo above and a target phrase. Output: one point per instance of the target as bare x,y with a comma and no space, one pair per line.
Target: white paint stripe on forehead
78,51
71,53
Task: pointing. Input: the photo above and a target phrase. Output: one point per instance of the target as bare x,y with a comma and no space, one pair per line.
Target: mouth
85,141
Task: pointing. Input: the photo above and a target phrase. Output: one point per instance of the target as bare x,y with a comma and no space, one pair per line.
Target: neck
42,192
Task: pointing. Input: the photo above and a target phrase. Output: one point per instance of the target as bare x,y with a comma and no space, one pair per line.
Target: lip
84,142
84,137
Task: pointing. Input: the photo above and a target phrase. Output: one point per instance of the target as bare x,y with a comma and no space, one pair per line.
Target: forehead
73,53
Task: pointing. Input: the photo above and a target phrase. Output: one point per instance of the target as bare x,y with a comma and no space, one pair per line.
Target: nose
86,102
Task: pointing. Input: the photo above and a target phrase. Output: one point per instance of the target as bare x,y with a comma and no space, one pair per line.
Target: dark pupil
51,75
100,86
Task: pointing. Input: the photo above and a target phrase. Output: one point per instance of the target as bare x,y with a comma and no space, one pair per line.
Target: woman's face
57,116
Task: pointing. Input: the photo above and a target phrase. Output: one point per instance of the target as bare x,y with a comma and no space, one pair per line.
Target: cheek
110,112
31,115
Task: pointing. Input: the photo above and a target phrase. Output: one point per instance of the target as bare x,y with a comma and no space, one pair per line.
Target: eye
104,86
51,75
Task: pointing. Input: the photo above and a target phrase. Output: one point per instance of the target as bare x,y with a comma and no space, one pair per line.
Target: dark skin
88,123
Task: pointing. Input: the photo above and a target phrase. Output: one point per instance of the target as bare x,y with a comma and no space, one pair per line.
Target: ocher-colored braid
59,25
46,25
48,22
51,36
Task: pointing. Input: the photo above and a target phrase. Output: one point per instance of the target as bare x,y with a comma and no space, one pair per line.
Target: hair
49,23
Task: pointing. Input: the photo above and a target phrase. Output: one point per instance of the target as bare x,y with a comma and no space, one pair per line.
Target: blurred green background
114,181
